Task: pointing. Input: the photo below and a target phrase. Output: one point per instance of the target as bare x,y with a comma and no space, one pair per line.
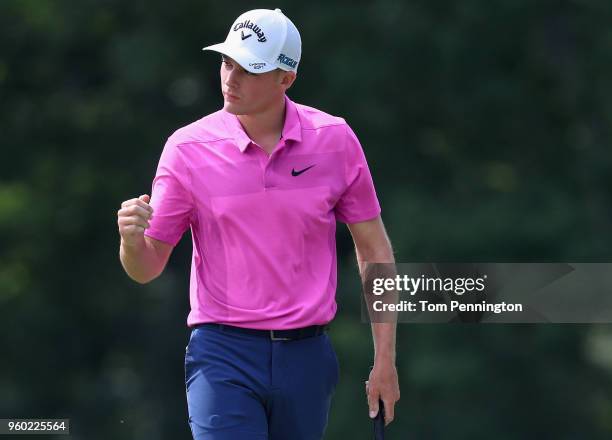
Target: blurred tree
486,125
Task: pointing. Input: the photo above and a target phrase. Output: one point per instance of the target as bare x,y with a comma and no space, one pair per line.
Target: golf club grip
379,422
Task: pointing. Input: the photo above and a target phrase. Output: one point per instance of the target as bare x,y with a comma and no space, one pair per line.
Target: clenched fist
133,218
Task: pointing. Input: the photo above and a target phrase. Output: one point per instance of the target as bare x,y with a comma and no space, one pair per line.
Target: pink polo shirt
263,226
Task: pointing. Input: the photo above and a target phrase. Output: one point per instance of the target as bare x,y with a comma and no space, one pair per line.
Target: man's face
246,93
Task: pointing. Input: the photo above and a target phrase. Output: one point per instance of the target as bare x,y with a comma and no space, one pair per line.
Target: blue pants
244,386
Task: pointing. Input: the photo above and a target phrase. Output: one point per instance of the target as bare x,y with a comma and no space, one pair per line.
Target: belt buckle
274,338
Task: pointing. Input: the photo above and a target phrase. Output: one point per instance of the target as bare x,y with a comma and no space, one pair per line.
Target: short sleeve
358,202
171,197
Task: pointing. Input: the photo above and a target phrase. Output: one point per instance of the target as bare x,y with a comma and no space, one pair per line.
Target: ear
287,78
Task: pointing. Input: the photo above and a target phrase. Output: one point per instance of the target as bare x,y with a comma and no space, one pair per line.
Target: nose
231,79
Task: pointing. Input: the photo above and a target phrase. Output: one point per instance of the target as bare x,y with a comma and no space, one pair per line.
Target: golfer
261,184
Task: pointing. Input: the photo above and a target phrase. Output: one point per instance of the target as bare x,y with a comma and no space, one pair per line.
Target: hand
133,218
383,383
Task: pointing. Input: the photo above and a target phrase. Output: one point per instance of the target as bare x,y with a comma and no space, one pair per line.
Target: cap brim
246,59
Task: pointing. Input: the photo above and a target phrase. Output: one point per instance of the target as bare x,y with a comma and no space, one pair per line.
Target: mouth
231,97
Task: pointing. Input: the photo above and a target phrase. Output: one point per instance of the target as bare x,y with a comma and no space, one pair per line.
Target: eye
229,65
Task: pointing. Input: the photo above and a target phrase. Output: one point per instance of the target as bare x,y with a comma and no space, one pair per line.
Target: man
261,184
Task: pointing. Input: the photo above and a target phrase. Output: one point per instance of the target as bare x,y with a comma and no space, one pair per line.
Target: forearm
140,261
383,333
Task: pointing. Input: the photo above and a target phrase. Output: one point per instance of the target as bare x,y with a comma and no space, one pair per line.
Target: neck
268,123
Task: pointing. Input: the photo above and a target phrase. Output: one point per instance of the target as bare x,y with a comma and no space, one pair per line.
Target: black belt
274,335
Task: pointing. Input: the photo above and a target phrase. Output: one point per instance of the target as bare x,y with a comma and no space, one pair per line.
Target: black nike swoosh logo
297,173
243,37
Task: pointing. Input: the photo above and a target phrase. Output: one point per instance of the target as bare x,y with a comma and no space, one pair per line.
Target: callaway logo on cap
262,40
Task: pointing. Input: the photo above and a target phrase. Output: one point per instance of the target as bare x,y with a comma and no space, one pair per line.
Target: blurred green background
487,126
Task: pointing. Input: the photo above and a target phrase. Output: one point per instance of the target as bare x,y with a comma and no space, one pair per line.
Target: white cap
262,40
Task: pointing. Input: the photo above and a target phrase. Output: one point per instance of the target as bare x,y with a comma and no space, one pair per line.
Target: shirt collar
292,128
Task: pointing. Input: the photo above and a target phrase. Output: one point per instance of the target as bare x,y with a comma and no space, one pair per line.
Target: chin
230,107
